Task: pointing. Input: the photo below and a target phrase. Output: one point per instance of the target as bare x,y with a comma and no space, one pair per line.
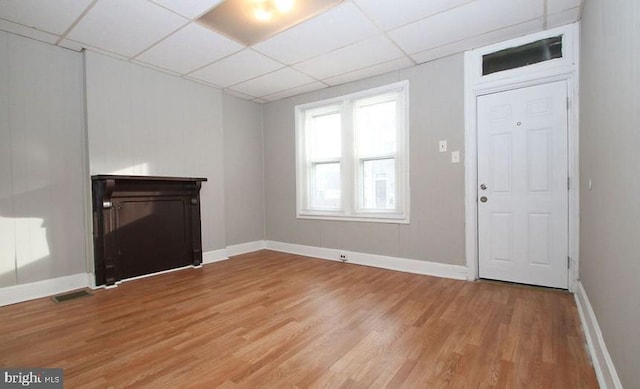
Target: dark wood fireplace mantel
144,224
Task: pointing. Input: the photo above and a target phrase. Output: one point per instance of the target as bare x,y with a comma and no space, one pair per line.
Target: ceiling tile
371,71
564,17
50,16
295,91
479,41
189,8
392,14
338,27
555,6
125,27
190,48
467,21
236,68
274,82
158,68
353,57
28,31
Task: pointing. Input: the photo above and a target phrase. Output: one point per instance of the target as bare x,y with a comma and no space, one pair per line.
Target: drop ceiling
354,40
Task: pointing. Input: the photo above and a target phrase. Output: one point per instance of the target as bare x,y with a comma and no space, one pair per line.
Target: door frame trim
564,69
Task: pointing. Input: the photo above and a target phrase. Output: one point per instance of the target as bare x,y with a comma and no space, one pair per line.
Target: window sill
377,218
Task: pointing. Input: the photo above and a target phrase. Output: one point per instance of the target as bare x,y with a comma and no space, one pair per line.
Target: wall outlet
442,146
455,156
343,257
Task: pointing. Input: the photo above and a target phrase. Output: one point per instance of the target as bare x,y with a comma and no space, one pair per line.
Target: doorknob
483,199
483,187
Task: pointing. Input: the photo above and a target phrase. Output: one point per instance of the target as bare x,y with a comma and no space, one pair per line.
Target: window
353,156
528,54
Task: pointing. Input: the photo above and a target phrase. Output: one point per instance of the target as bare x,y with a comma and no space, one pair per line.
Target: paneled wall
42,166
436,231
243,170
609,159
144,122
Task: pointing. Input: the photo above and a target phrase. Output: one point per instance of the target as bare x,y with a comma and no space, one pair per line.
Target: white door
523,185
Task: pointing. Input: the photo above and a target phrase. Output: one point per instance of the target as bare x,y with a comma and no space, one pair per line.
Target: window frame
351,191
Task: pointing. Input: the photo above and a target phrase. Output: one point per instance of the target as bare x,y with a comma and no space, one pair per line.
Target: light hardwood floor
277,320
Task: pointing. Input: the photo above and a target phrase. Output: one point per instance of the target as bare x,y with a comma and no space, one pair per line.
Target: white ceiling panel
392,14
355,40
476,18
19,29
479,41
371,71
158,68
349,58
236,68
50,16
190,48
125,27
295,91
274,82
333,29
189,8
555,6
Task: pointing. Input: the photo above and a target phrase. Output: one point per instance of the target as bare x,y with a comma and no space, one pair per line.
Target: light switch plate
455,156
442,146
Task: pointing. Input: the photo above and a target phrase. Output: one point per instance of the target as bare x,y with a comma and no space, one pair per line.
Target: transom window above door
353,156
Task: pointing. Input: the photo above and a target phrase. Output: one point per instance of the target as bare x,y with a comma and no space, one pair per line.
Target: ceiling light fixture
284,6
252,21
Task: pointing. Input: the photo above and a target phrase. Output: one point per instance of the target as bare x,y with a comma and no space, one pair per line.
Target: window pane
325,136
379,184
326,185
516,57
376,128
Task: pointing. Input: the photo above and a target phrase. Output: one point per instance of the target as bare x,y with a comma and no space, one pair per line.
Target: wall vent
71,296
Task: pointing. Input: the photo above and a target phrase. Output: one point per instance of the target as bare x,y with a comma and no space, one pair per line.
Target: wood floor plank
276,320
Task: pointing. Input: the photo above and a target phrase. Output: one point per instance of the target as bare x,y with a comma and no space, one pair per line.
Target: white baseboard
33,290
392,263
214,256
602,363
25,292
244,248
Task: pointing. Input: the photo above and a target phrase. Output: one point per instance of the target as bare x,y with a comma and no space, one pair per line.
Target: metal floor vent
71,296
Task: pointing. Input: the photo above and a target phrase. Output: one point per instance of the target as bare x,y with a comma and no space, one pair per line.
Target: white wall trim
25,292
475,85
602,363
385,262
34,290
243,248
214,256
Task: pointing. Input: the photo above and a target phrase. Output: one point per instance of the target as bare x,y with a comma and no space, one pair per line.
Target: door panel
522,161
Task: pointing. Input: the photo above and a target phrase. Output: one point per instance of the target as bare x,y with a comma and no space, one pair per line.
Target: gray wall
610,211
436,231
243,170
144,122
42,167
